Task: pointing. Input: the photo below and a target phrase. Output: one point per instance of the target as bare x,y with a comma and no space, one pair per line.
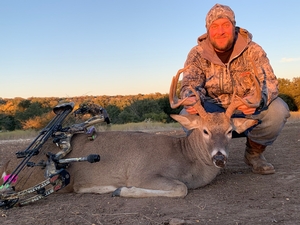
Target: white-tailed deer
137,164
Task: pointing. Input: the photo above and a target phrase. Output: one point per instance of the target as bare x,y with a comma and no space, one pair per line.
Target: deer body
138,164
158,165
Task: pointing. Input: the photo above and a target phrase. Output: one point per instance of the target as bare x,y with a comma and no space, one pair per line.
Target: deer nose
219,160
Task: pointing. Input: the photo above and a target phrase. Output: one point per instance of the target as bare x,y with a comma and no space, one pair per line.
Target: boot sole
264,172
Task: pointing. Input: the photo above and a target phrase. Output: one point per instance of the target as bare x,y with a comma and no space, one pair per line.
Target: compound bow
57,177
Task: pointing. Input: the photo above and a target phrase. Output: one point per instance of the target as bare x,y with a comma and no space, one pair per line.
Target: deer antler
176,102
253,102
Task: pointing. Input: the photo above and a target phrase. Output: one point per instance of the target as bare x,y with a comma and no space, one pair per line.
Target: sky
68,48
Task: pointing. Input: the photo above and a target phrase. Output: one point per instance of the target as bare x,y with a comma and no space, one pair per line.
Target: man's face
221,34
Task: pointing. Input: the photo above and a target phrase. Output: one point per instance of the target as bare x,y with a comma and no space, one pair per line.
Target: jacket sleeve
194,76
266,76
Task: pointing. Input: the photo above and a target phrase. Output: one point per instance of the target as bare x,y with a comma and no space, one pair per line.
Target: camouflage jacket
216,81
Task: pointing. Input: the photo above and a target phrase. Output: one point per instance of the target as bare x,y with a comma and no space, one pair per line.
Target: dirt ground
235,197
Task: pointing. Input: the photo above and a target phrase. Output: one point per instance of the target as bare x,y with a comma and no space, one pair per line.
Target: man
222,63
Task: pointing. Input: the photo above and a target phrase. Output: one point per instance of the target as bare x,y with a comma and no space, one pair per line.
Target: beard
222,45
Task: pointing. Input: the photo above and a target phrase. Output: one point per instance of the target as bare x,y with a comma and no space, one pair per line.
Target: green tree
290,92
2,101
126,117
7,122
295,89
24,104
140,110
33,110
164,104
113,112
289,101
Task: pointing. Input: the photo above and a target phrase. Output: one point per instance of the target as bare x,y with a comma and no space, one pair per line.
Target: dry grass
142,126
18,134
295,116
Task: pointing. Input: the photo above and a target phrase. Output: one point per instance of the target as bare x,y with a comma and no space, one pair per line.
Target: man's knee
272,122
279,108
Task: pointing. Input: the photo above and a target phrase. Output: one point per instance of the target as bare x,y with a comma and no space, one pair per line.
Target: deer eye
205,131
229,133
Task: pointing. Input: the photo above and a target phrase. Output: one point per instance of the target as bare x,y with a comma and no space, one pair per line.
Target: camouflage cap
219,11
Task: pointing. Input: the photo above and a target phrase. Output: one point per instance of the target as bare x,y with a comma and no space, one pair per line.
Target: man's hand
246,110
190,109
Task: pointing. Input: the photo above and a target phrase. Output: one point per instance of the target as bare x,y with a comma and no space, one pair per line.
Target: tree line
35,113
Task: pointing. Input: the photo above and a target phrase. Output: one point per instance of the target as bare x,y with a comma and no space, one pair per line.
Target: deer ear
188,121
242,124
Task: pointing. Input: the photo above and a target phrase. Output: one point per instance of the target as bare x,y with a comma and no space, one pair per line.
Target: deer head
215,128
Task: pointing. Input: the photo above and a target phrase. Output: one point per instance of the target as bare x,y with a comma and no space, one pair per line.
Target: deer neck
194,148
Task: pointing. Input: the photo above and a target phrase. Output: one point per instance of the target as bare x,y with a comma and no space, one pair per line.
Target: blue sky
66,48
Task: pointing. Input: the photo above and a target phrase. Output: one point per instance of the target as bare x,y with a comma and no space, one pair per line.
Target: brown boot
255,158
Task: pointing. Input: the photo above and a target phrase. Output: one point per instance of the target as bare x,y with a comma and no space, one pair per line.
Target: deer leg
94,189
160,187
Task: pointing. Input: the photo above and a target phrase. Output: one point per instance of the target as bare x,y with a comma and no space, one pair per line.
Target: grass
142,126
295,116
18,134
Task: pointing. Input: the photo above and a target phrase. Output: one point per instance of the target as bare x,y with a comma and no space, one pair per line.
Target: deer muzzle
219,160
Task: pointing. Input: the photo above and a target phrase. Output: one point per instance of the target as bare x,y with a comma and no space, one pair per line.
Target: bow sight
55,167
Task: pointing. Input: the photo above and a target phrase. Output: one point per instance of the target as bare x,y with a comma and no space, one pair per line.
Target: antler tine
173,99
197,105
234,104
175,102
251,103
257,96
